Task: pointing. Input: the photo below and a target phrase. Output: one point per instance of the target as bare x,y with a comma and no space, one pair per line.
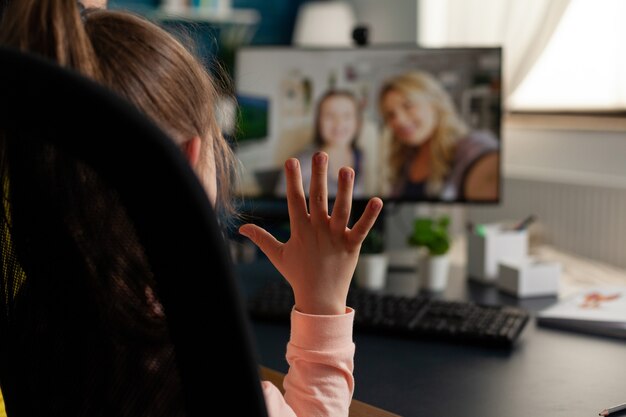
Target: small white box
495,242
529,277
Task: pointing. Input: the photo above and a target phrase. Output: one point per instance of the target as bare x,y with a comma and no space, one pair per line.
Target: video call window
415,124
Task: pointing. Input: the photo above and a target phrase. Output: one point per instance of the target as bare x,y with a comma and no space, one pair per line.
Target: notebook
599,311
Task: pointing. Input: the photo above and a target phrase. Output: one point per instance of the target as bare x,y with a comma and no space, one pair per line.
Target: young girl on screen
151,69
338,122
433,154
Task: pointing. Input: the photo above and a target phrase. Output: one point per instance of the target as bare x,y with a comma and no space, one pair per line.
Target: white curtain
522,27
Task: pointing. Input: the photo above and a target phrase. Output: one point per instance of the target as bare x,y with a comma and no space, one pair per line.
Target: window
560,55
583,67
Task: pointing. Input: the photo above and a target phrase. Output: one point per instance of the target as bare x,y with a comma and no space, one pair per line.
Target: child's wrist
320,308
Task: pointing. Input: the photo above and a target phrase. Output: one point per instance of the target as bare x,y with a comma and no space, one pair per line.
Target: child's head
338,120
139,61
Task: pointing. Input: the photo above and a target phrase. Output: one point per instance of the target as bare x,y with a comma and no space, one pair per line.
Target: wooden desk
357,408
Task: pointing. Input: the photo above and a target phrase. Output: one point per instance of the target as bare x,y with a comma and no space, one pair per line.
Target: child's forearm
321,358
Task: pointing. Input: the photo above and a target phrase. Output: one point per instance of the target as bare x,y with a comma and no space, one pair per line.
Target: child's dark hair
122,361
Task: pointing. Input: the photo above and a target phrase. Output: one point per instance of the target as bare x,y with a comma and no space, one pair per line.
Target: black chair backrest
116,294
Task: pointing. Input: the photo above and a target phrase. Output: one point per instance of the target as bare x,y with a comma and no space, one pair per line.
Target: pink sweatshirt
320,354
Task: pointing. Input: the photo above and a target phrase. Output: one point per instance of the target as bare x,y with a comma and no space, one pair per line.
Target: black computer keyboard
420,317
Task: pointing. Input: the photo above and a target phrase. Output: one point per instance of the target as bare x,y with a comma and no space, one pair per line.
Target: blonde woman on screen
433,154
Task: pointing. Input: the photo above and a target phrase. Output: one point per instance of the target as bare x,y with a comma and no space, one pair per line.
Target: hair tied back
82,10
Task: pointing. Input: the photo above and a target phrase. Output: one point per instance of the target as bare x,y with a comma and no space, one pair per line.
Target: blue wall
277,19
138,5
277,16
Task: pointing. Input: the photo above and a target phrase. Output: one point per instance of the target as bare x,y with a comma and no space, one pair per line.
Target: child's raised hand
319,258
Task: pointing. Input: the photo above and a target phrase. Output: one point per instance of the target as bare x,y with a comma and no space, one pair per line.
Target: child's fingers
365,223
263,239
343,201
318,192
296,202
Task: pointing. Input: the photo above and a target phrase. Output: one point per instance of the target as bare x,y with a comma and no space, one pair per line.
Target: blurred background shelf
244,17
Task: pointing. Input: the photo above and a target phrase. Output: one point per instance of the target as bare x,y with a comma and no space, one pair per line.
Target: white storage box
495,242
529,277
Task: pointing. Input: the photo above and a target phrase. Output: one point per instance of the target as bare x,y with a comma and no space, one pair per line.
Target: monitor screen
415,124
252,118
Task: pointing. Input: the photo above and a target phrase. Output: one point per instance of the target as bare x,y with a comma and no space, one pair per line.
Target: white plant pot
371,271
434,272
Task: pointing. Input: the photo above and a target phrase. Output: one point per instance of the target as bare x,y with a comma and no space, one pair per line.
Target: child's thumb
263,239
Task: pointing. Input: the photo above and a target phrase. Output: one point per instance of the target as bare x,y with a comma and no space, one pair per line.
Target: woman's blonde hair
136,59
450,127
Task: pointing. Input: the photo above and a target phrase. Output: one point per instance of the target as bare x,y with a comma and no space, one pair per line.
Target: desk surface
549,373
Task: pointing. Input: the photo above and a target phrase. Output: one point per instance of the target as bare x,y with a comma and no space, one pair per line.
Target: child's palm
319,258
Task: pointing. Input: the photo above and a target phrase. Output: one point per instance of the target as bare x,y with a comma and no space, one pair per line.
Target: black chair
115,279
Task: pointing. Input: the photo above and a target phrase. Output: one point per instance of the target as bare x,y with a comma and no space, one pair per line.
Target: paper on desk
598,310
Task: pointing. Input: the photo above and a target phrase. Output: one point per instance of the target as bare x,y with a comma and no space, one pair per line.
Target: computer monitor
415,124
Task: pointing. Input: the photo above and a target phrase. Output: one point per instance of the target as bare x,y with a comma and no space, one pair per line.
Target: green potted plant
371,268
434,265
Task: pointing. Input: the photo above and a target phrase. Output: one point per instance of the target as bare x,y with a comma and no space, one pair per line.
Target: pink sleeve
321,360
